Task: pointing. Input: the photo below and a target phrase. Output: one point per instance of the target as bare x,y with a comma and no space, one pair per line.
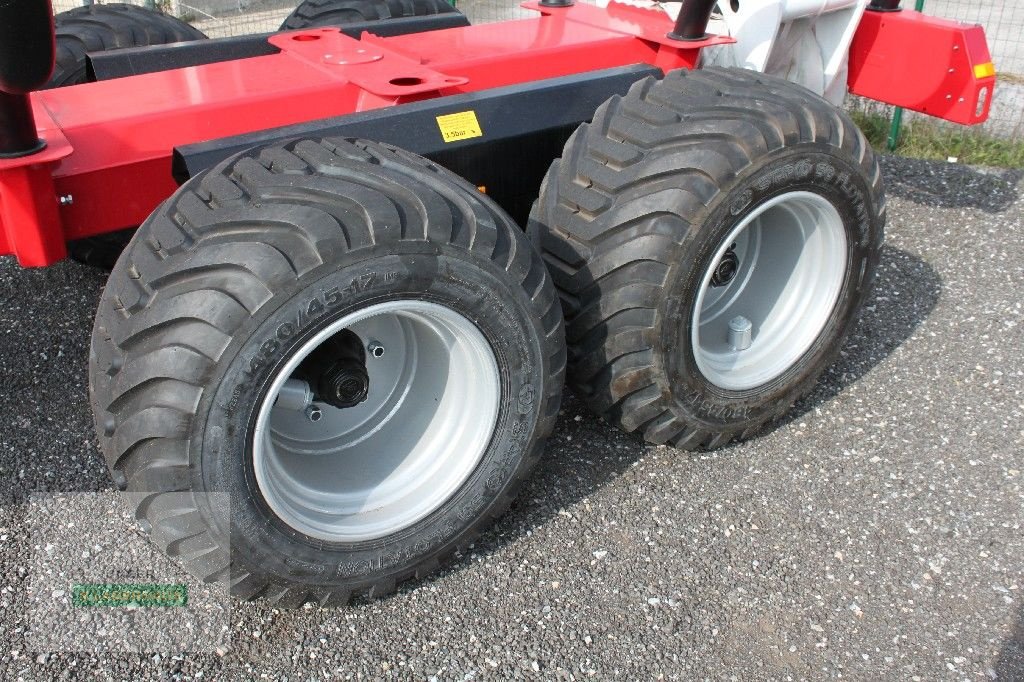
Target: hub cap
370,470
769,291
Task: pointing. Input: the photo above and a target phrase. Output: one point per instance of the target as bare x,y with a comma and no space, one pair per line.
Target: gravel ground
874,534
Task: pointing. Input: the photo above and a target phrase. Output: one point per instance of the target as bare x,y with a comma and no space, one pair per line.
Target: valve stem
740,333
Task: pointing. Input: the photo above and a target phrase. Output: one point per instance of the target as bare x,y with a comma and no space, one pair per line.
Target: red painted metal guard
934,66
110,142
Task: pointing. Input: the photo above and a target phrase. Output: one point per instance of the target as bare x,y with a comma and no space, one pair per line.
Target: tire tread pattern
100,28
191,280
677,142
312,13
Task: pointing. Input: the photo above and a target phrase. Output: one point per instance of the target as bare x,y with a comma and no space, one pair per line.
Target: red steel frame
935,66
107,163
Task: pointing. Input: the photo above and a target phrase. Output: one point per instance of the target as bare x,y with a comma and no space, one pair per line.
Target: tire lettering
741,202
311,311
332,296
527,396
233,402
825,171
285,331
707,408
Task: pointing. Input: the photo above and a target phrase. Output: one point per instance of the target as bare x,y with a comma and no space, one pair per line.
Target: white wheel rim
792,255
368,471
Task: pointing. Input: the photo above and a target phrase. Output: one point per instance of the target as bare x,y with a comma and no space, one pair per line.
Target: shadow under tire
220,297
100,28
313,13
709,200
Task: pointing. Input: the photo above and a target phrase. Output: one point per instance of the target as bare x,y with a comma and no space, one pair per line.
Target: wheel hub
345,384
337,371
401,434
769,292
727,268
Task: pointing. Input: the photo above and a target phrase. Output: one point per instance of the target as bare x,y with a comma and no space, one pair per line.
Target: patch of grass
926,140
874,126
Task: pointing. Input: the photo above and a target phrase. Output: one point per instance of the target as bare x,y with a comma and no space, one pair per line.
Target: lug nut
375,349
314,414
740,333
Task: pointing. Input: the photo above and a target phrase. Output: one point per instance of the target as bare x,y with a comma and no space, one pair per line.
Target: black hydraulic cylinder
885,5
692,23
26,62
18,135
26,45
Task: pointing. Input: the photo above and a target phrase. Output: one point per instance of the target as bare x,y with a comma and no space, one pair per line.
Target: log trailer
354,261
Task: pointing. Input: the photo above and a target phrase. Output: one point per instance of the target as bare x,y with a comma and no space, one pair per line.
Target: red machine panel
114,139
926,64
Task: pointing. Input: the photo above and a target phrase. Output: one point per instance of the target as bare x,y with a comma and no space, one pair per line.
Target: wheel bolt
740,333
375,349
314,414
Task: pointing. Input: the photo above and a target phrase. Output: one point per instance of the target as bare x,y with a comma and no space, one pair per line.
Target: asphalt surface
874,534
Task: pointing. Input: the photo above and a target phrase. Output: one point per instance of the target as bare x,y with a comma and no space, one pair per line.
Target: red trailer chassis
107,160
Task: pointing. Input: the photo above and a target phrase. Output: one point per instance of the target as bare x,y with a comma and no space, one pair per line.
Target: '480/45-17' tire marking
312,311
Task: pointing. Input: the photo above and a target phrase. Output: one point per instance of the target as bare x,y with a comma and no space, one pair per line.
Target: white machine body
804,41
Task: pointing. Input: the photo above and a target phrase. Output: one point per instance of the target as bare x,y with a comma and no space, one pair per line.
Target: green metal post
897,114
894,129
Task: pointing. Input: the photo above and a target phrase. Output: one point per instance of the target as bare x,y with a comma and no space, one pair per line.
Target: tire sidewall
816,168
471,286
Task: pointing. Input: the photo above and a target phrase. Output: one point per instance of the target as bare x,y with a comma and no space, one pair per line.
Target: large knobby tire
340,12
712,236
99,28
245,271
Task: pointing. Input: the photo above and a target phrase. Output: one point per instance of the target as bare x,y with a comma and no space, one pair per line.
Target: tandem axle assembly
353,263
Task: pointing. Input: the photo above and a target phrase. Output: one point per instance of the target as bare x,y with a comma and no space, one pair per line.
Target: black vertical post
692,23
17,126
26,62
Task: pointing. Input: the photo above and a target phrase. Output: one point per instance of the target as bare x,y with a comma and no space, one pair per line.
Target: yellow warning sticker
460,126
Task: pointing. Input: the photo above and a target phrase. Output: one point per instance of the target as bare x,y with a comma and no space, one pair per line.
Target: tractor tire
313,13
99,28
712,236
339,261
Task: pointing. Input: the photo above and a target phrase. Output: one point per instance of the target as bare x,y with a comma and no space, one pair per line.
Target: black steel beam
524,129
139,60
